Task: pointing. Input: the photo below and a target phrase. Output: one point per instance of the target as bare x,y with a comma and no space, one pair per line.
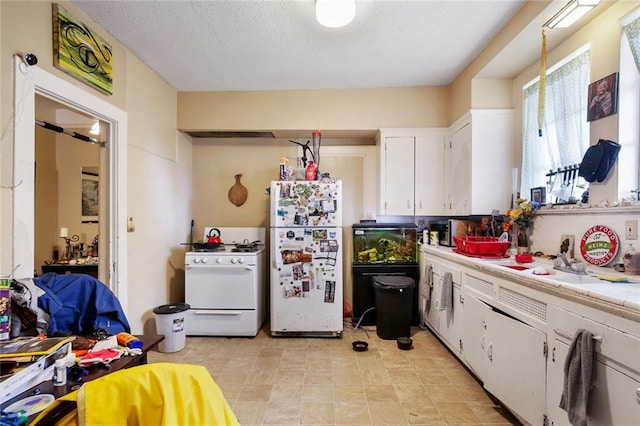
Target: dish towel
446,292
429,284
578,375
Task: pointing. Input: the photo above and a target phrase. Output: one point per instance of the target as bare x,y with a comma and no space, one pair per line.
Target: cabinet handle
482,342
638,394
490,351
408,204
553,354
484,324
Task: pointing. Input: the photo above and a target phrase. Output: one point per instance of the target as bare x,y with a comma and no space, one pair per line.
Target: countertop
619,298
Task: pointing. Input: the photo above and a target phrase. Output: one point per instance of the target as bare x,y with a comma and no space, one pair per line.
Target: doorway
32,81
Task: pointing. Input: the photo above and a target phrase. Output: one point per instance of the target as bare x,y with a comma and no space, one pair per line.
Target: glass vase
523,241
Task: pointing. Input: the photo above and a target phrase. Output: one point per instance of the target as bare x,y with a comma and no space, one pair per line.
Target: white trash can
170,321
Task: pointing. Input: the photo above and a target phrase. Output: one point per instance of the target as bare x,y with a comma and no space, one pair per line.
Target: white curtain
632,31
565,132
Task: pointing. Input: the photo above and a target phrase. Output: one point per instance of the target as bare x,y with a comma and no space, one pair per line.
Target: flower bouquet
522,216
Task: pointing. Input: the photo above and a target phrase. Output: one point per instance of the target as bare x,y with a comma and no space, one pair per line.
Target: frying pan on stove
203,246
246,244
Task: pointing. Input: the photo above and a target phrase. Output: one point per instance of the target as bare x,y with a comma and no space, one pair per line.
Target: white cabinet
615,396
508,356
478,160
411,172
446,323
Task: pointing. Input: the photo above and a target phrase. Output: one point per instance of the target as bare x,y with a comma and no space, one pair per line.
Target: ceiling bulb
569,14
335,13
95,129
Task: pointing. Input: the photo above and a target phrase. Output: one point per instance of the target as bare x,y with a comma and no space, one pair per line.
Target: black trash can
394,296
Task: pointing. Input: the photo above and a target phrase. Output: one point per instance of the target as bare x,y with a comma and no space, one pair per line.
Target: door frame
30,81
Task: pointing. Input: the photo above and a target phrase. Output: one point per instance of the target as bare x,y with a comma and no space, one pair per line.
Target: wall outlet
631,229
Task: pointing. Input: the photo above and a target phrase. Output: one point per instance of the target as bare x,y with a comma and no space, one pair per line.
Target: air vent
224,134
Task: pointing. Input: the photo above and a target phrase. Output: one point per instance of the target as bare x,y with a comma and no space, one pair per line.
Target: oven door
221,286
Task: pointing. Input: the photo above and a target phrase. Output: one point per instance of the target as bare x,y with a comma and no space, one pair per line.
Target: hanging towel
446,292
428,280
578,375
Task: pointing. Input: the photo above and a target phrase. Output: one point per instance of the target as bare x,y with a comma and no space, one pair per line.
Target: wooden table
65,268
149,342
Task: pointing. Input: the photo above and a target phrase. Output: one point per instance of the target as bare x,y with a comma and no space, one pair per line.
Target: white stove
226,288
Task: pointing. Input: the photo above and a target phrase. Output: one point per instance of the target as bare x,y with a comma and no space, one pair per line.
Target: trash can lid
393,282
171,308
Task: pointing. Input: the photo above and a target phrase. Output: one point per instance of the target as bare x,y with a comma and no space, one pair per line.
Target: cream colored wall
603,34
159,163
366,109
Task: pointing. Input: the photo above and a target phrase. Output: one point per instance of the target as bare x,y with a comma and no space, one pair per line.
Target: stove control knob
234,260
241,261
196,260
204,260
219,260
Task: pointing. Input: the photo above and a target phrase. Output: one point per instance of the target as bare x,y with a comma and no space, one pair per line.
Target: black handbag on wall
598,160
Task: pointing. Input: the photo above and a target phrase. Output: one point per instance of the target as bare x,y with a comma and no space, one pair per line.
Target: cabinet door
425,286
474,335
458,163
399,176
450,323
429,171
432,315
614,398
517,368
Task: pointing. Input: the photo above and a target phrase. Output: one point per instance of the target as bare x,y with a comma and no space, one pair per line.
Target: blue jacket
79,304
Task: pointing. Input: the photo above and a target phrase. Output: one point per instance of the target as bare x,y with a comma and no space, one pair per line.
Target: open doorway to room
30,83
67,195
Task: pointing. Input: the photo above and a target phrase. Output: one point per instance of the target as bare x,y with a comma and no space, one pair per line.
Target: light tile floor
322,381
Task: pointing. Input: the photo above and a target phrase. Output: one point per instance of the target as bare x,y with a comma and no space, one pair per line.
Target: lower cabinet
508,356
446,323
615,396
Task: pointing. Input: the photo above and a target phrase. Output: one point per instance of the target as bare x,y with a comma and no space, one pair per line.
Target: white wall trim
369,191
28,82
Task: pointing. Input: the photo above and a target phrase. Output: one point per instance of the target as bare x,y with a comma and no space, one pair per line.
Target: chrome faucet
575,268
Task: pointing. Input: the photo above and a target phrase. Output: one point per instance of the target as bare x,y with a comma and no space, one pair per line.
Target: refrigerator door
306,281
306,203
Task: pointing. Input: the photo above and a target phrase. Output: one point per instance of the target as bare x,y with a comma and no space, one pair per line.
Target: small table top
95,372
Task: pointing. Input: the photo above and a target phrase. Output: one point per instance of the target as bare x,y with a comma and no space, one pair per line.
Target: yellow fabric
542,85
152,394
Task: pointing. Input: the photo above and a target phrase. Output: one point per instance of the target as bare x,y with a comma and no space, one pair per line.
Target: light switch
131,226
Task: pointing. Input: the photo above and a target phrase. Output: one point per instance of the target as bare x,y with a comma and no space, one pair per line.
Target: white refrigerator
306,258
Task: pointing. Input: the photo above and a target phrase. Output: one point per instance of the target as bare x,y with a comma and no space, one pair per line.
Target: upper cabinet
411,171
478,159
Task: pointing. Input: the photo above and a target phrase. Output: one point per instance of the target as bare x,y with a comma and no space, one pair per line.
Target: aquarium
379,243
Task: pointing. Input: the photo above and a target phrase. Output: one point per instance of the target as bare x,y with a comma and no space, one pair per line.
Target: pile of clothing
63,305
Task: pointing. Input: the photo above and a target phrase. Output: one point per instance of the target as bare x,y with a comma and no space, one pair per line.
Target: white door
458,162
399,178
429,175
517,364
306,280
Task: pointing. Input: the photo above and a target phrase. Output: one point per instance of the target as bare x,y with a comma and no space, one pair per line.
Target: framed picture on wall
539,195
81,52
90,200
603,97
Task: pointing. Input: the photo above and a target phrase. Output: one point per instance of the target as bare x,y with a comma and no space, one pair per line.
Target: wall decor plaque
599,245
80,52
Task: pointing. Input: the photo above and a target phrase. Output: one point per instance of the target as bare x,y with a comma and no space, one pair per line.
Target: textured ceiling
212,45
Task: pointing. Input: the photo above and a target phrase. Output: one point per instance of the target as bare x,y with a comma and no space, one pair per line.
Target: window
565,132
629,110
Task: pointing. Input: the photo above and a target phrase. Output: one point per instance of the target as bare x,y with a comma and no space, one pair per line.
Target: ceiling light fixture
335,13
569,14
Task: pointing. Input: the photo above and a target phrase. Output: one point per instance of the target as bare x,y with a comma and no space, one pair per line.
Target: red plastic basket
481,246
